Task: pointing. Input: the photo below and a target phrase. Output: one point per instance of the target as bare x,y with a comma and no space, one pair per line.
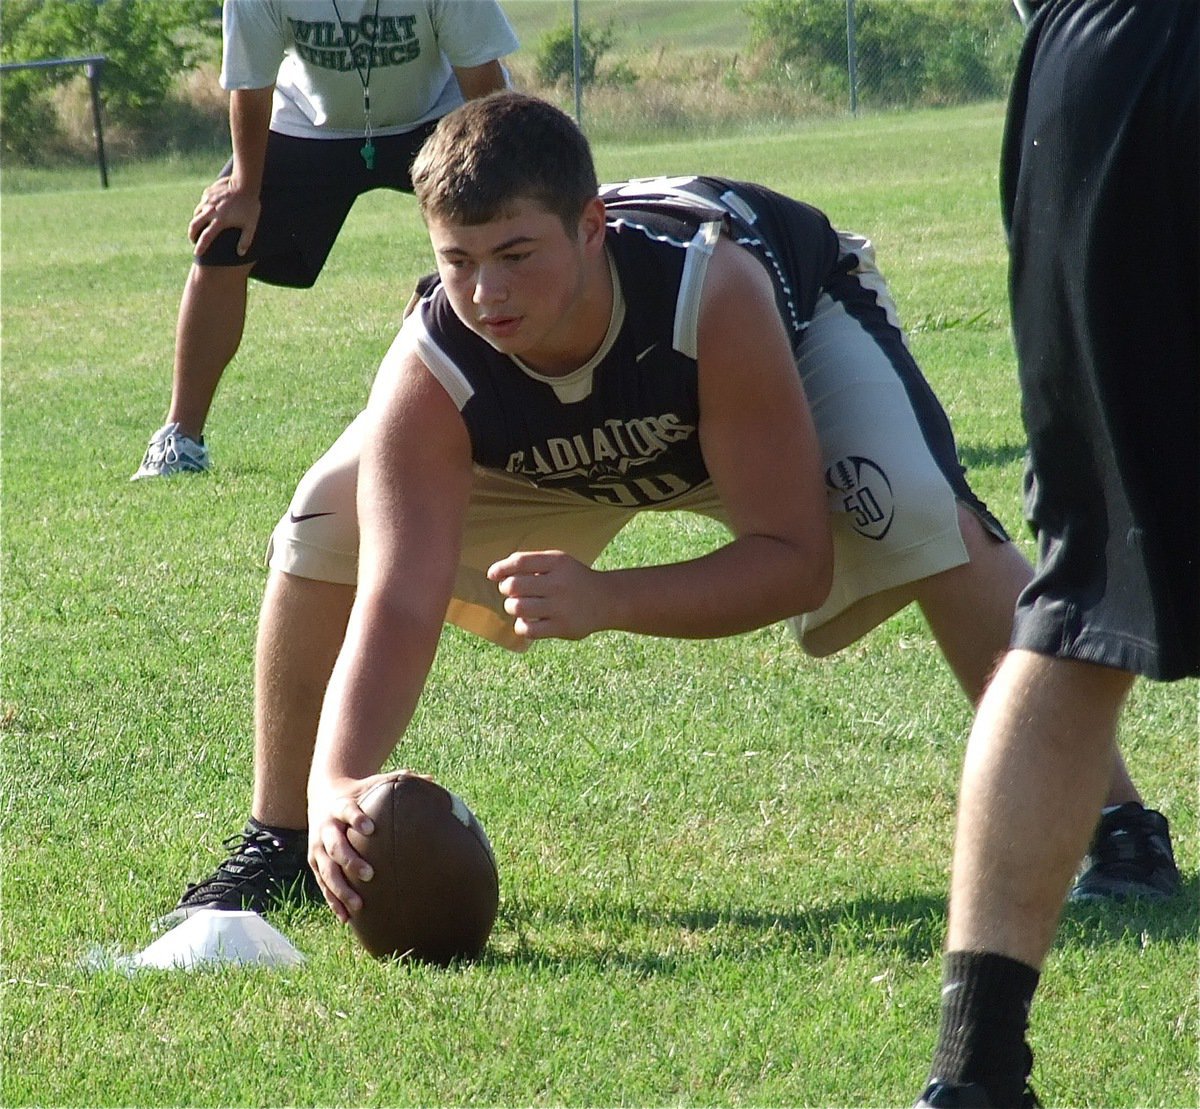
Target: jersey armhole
440,364
691,286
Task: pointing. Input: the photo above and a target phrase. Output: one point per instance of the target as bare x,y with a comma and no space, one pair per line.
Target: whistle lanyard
368,147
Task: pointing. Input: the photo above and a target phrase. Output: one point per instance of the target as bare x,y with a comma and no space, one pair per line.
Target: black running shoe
1130,856
261,873
970,1095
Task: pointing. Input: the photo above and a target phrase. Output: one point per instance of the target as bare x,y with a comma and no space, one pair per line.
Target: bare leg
1039,758
970,608
970,611
301,628
212,315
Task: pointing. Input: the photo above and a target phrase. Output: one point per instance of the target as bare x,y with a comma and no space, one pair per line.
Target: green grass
720,25
723,865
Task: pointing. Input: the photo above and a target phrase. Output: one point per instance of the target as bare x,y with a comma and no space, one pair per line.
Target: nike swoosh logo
645,352
294,519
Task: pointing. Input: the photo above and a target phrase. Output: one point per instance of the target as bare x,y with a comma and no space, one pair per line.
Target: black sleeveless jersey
622,430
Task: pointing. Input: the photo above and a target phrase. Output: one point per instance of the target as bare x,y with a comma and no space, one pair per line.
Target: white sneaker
170,453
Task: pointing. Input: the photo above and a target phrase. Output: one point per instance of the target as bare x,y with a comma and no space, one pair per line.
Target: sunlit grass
723,865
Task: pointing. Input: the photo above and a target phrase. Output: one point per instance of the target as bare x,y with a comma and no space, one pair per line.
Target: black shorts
1100,179
309,187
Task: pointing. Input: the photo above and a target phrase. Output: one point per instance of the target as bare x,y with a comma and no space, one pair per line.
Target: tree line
907,53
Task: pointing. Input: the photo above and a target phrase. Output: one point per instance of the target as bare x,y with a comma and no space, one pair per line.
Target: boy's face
526,285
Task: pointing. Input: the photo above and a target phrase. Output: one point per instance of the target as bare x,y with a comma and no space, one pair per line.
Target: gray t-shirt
404,49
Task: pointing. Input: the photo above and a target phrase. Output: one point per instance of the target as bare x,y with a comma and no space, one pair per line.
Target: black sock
294,840
985,1011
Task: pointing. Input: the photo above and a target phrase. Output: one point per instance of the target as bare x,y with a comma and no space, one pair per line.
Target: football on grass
435,890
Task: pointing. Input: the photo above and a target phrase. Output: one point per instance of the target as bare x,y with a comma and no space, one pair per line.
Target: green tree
148,43
909,51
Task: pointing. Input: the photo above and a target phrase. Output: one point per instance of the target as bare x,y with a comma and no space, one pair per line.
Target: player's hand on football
332,809
549,594
222,205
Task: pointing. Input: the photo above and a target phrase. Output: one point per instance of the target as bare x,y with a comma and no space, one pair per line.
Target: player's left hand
550,594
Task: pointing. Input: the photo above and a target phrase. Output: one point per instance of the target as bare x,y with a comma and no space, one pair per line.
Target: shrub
556,53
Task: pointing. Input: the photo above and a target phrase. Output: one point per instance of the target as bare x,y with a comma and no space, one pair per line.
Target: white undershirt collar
577,385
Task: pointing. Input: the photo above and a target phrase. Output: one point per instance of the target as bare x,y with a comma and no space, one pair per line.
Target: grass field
723,865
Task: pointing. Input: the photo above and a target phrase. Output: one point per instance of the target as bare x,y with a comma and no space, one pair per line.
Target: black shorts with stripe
1100,180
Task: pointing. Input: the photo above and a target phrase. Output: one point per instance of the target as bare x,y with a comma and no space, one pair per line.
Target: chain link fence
883,54
730,62
630,70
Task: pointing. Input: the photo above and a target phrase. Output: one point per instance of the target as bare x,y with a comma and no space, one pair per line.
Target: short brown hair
486,155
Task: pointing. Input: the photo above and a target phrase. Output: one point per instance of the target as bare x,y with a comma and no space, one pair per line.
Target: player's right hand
332,808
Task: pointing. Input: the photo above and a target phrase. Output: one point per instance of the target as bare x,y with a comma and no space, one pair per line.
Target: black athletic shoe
1130,856
946,1095
261,873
